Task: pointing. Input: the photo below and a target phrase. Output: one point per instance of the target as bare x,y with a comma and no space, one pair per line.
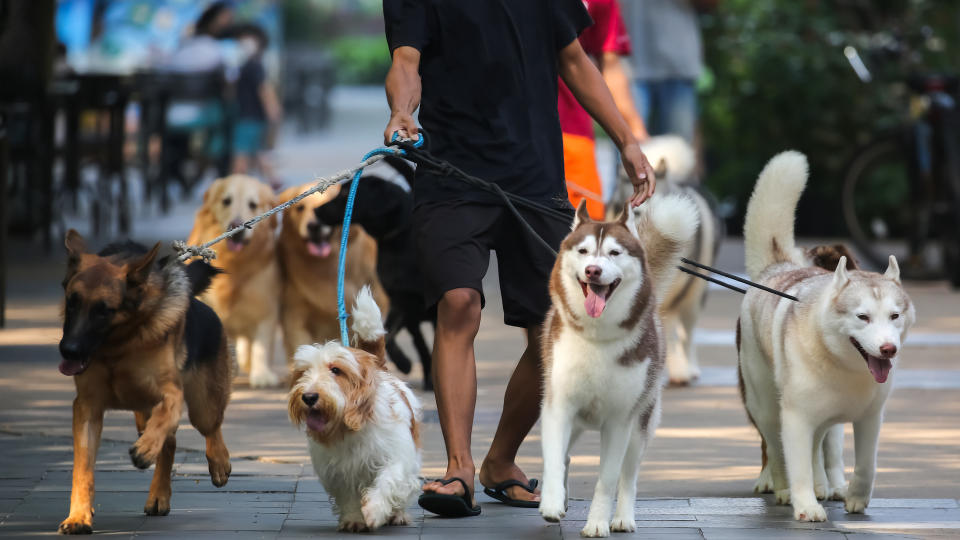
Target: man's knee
459,309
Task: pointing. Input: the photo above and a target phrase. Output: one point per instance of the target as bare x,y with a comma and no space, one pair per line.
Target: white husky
604,351
806,367
676,164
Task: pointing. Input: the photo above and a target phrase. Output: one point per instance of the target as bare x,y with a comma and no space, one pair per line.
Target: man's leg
679,108
521,408
455,380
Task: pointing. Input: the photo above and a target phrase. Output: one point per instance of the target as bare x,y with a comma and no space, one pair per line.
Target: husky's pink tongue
594,303
321,249
879,368
316,421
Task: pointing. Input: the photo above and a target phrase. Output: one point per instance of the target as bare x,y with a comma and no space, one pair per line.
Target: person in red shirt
606,41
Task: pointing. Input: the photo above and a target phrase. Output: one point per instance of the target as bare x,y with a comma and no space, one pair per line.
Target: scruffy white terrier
362,424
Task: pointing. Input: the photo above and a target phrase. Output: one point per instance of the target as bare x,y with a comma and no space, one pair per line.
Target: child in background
258,108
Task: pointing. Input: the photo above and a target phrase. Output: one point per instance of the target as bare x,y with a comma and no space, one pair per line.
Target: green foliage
780,80
361,59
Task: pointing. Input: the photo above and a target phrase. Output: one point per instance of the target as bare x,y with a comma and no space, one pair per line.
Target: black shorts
454,239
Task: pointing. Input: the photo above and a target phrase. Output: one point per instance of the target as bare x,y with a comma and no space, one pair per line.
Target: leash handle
345,232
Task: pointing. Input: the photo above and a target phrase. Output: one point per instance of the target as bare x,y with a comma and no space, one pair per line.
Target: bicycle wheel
875,199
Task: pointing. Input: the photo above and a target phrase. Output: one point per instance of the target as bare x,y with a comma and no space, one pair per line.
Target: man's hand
403,124
641,174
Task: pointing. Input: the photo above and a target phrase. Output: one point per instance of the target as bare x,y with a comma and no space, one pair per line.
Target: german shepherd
135,338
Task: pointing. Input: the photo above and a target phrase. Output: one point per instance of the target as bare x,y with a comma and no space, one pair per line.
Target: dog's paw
764,483
809,512
855,504
219,470
400,519
374,515
837,493
157,505
623,525
142,455
352,526
82,524
552,509
782,496
263,378
821,491
595,529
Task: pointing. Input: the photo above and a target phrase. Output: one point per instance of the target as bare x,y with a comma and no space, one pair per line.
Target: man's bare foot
492,473
453,488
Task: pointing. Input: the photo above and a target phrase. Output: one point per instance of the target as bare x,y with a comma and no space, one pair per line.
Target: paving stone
767,534
241,484
218,520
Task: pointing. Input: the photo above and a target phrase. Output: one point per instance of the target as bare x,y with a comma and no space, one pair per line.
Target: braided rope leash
204,250
345,229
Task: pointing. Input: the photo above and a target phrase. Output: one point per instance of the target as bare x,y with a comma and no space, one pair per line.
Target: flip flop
499,492
453,506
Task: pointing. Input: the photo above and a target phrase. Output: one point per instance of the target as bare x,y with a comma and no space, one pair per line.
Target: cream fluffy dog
362,424
808,367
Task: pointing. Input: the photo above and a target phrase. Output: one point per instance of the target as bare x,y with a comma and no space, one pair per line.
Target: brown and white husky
604,350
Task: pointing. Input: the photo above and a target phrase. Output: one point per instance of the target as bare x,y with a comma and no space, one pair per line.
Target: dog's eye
582,251
252,205
614,252
864,317
101,310
335,370
894,316
227,201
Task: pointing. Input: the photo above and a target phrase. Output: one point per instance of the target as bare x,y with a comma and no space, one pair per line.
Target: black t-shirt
249,104
489,99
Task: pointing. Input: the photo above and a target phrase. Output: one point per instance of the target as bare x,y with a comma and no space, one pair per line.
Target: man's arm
403,93
611,67
588,86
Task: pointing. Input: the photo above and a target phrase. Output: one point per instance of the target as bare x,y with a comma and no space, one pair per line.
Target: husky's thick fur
680,307
604,351
806,367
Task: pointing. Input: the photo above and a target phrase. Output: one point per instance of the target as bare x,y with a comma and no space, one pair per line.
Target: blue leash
345,234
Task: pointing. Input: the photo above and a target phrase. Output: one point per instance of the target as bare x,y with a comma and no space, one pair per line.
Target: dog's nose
888,350
69,349
593,271
310,399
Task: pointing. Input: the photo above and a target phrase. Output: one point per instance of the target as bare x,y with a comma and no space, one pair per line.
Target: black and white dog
384,209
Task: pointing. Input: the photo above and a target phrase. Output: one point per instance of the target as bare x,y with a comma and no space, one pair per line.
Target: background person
258,108
487,76
667,60
606,41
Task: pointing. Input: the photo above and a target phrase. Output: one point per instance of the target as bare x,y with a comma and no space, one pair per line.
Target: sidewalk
696,479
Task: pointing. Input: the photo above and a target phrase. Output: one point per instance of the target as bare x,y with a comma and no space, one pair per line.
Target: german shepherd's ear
76,247
139,271
582,215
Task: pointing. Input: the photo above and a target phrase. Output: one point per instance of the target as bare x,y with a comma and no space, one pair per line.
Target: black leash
444,168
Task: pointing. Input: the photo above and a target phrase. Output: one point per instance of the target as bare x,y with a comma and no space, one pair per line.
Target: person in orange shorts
606,41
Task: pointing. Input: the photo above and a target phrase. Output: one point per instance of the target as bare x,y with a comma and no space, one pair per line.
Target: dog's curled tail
368,332
768,227
667,225
200,274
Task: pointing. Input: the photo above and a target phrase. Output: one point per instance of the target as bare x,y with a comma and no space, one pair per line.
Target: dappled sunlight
31,336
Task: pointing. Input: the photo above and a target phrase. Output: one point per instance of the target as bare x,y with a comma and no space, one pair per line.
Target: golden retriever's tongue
594,303
879,368
234,245
319,249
